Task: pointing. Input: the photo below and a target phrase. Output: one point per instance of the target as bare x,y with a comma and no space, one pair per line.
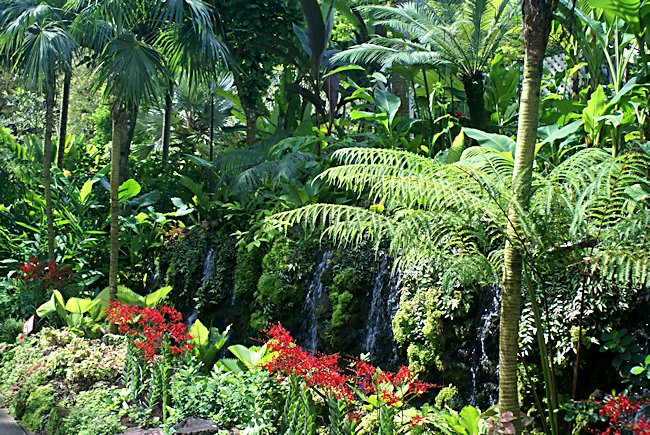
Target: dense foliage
392,182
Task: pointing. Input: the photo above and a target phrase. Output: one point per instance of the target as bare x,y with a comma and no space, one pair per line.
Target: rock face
196,426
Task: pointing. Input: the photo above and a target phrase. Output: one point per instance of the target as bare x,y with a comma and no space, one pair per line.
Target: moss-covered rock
38,406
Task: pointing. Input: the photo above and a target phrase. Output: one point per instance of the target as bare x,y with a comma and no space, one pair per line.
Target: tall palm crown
462,34
36,40
36,43
140,43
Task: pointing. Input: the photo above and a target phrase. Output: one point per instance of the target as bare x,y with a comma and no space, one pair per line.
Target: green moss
248,272
281,288
88,416
38,406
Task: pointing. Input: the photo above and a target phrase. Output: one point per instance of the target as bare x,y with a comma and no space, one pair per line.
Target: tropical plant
456,216
463,35
39,48
131,68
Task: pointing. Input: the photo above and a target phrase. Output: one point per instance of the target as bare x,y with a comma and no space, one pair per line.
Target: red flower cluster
324,373
151,328
50,273
621,412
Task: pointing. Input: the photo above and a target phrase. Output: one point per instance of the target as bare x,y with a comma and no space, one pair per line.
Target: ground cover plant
343,217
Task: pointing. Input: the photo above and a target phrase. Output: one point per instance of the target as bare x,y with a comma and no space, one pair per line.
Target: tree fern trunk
475,99
47,165
537,17
167,122
63,120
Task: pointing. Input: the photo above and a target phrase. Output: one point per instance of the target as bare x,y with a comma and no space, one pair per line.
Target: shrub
9,330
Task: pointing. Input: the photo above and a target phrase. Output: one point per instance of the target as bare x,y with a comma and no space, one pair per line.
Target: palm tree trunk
128,129
119,117
63,120
537,17
167,122
47,165
251,125
474,97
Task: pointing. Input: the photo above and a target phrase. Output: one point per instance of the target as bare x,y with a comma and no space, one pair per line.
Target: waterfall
309,325
484,370
379,342
208,265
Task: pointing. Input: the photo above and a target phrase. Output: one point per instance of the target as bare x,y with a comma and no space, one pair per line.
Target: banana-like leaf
79,305
56,303
154,298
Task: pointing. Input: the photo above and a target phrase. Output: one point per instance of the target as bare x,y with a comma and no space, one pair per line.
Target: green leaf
637,370
85,190
55,303
388,103
200,334
456,149
627,10
129,189
343,69
469,418
128,296
497,142
152,299
79,305
595,107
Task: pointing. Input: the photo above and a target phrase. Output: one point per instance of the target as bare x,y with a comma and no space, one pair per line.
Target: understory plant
156,341
316,379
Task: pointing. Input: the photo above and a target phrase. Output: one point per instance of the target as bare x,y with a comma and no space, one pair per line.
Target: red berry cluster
150,328
49,273
622,414
324,373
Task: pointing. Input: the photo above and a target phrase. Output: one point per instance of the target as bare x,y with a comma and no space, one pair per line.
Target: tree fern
455,214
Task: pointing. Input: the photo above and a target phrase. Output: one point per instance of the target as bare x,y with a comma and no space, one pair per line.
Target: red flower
151,329
324,373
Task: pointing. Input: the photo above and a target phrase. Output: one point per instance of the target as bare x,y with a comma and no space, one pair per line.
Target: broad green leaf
152,299
79,305
491,140
248,356
469,417
552,133
56,303
129,189
85,190
200,334
595,107
388,103
456,149
637,370
128,296
627,10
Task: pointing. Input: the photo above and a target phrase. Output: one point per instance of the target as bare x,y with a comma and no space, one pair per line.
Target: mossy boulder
38,406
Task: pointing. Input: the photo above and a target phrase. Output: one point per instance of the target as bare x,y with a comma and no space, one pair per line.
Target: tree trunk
167,122
126,137
474,97
47,165
63,121
537,17
251,125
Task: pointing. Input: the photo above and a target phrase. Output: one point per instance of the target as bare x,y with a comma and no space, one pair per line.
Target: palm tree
464,35
133,70
39,48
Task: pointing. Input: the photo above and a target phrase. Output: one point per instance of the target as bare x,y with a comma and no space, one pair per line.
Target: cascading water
485,370
379,342
309,325
208,265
